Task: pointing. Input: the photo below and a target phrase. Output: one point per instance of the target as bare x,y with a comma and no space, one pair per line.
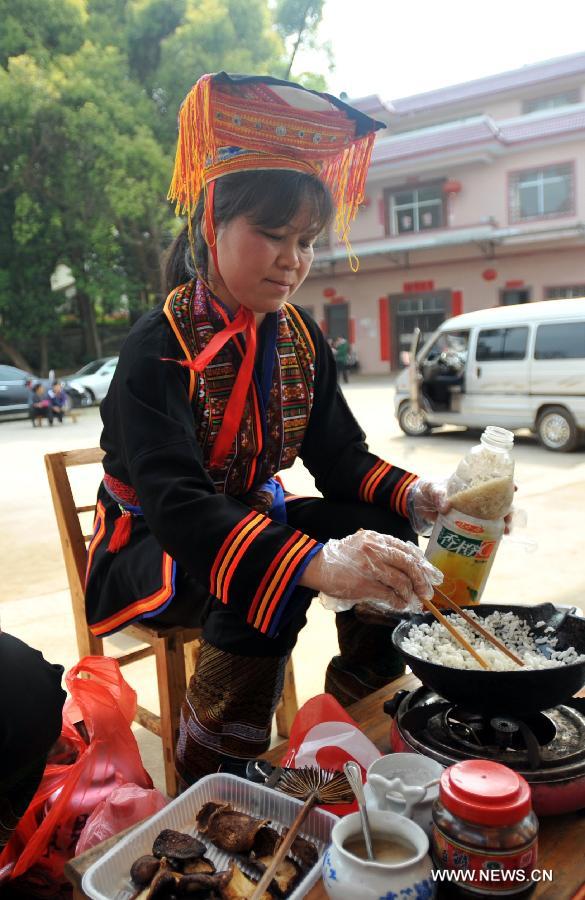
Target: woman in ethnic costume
223,386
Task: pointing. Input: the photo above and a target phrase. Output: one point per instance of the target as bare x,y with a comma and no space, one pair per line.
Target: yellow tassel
196,143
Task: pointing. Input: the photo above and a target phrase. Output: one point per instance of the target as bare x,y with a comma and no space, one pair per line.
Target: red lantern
451,187
489,274
329,292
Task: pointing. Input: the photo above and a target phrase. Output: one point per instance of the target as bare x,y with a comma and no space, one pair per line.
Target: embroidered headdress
236,123
239,123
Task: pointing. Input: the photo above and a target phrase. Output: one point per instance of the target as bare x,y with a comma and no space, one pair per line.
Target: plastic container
464,541
109,877
483,823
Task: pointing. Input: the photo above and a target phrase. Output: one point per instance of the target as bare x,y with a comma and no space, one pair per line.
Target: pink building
476,197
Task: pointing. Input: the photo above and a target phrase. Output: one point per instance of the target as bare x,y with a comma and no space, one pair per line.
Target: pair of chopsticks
473,624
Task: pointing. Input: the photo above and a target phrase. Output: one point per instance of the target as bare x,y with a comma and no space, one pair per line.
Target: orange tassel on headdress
234,125
195,146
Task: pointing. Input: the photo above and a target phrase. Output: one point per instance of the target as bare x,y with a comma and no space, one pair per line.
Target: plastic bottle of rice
463,543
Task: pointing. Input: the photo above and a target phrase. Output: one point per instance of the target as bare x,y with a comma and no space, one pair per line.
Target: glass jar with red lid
483,826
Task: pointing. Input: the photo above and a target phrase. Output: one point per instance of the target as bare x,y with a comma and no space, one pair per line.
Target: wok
518,691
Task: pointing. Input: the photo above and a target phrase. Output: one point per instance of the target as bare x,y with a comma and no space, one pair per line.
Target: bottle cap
485,792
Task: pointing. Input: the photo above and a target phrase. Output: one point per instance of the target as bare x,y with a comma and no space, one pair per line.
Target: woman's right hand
372,566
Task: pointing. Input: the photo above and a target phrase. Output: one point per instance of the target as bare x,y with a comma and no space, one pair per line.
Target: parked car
517,366
94,378
15,390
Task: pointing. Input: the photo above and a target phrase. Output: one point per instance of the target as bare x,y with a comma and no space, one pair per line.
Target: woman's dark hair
268,198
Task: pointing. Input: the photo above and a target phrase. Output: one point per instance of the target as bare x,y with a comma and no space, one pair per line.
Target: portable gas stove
547,748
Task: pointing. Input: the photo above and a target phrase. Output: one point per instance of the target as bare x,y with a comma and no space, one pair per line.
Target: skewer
456,634
313,786
479,628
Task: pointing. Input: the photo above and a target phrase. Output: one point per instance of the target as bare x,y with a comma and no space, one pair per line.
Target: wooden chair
174,648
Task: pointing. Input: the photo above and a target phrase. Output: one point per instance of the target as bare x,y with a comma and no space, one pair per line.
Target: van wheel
412,421
556,429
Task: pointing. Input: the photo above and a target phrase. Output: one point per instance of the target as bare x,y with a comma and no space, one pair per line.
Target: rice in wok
432,642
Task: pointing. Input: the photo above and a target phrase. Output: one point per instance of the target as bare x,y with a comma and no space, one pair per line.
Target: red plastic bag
124,807
324,735
46,836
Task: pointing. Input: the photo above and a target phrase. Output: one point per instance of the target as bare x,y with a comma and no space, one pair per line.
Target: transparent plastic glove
517,518
426,499
368,566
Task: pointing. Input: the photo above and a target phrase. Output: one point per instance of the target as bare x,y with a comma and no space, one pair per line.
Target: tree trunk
93,346
14,355
302,27
44,350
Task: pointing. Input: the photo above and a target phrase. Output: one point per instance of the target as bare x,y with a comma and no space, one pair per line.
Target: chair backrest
73,540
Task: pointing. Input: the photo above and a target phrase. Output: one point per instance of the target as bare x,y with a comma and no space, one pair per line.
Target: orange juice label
464,550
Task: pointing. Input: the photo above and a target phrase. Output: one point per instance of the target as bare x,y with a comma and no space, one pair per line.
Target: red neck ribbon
244,322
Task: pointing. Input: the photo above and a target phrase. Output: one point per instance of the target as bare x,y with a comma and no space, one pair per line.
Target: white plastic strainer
109,877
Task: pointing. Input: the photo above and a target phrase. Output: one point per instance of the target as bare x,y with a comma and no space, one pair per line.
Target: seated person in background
30,724
58,400
444,369
39,405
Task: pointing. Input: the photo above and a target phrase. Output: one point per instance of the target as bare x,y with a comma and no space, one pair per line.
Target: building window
566,292
541,193
417,209
564,341
496,344
566,98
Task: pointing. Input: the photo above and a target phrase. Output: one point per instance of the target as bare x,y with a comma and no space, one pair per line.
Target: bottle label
465,546
489,871
464,550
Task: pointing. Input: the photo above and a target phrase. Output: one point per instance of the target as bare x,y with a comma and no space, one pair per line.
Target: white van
516,366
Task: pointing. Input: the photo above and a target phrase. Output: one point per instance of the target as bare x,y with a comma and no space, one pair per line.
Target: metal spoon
354,776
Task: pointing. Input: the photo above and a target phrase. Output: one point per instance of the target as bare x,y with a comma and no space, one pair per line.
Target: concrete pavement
34,600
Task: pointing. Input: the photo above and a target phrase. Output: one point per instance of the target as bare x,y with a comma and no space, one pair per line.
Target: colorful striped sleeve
387,485
240,557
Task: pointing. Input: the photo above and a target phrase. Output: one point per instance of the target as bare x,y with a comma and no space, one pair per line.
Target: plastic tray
109,877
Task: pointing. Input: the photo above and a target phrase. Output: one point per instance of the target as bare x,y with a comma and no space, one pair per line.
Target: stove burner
546,743
547,748
496,735
504,726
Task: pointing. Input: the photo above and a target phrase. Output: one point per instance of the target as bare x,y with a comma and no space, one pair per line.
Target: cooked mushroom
303,850
201,866
176,845
164,882
207,811
266,842
144,869
189,885
240,887
233,831
287,875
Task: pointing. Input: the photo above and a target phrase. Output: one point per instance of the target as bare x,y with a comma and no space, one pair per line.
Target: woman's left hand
510,517
429,498
425,501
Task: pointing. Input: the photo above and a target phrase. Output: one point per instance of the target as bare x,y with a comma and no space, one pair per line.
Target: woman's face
261,268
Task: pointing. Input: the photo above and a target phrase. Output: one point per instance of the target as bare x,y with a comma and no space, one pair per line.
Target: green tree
40,28
233,35
89,93
297,22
